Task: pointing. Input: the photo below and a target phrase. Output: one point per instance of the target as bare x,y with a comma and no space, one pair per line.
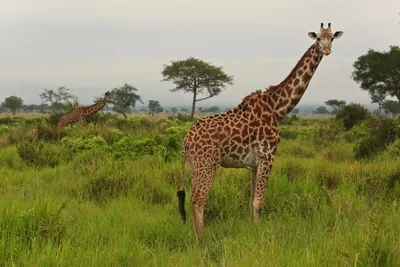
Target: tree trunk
194,102
126,117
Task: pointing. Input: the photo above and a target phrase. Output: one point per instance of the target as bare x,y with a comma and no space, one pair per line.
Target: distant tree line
377,72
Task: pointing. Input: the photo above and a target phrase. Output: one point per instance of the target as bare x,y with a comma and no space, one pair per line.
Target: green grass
321,208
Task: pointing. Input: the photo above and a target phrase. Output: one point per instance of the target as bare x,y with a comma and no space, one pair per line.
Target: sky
91,46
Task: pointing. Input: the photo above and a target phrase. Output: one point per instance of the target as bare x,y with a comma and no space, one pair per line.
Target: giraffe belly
245,161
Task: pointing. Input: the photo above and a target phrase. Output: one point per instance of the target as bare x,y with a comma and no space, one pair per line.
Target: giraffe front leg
263,171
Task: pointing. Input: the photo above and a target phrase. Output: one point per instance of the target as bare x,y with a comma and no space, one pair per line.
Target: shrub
394,149
288,133
328,133
133,148
352,114
288,120
358,132
79,144
382,131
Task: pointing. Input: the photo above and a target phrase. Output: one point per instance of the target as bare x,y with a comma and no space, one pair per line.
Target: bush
381,132
328,133
289,120
79,144
394,149
134,148
352,114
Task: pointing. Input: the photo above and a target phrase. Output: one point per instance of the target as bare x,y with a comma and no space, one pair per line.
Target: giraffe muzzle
326,52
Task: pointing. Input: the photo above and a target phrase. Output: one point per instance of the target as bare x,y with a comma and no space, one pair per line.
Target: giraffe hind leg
200,191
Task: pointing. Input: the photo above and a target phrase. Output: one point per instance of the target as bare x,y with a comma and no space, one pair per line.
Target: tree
379,73
321,110
57,98
392,107
124,98
335,104
155,107
213,109
197,77
174,110
12,103
352,114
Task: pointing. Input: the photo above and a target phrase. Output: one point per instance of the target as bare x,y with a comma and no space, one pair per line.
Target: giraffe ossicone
247,135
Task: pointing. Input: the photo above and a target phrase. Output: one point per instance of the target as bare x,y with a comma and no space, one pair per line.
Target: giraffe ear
337,35
312,35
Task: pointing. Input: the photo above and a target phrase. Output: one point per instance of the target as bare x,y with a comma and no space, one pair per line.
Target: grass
321,208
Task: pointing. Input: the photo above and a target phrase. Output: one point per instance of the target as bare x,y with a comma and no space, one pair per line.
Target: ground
106,195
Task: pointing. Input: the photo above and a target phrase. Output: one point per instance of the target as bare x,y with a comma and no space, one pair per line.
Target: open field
106,196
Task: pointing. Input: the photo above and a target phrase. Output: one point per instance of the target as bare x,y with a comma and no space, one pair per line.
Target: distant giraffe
80,114
247,136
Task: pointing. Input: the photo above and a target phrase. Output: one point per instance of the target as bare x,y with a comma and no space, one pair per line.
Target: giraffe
79,114
246,136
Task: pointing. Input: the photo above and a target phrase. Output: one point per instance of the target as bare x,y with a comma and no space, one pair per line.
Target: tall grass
95,207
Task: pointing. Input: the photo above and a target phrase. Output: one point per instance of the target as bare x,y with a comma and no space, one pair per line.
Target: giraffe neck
285,96
95,107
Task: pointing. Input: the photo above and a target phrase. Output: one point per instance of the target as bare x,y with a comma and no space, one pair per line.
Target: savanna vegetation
106,195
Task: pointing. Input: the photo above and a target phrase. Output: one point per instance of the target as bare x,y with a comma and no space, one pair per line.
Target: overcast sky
91,46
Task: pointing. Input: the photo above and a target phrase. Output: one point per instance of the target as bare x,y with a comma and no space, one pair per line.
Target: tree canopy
321,110
155,107
335,104
123,98
58,99
197,77
391,107
379,73
12,103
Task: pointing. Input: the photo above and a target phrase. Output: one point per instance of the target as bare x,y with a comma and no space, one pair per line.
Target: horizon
92,48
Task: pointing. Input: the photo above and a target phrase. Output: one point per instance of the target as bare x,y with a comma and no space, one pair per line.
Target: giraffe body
79,114
247,135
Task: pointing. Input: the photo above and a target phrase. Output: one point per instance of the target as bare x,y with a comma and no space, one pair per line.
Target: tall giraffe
247,135
80,114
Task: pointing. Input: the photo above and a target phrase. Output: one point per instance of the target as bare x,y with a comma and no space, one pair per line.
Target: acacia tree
197,77
321,110
335,104
123,98
58,99
155,107
379,73
12,103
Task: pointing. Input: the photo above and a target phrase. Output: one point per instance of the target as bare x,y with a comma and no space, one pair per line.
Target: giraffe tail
181,192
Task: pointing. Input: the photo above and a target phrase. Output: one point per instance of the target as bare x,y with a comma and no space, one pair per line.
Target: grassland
105,196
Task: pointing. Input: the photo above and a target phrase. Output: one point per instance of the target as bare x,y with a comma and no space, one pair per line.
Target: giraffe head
107,96
325,38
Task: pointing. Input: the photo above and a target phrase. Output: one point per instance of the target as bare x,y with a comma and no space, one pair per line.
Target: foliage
321,110
288,120
197,77
12,103
328,133
174,110
124,204
381,132
155,107
391,107
58,99
124,98
379,73
352,114
335,104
